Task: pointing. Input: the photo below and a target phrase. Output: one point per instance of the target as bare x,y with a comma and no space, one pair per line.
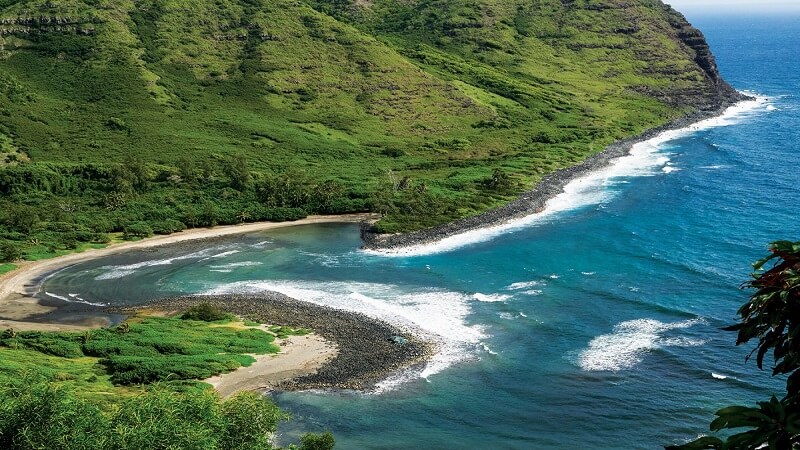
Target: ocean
596,324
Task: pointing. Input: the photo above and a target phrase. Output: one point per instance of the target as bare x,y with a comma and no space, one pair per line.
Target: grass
149,118
7,267
282,332
141,350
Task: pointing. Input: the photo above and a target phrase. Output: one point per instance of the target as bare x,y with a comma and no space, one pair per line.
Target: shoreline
534,201
364,356
299,356
18,286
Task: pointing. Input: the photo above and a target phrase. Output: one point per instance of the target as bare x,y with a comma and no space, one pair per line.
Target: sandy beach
18,286
299,356
364,353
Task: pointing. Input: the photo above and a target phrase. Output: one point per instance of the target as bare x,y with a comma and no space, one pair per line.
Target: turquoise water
595,326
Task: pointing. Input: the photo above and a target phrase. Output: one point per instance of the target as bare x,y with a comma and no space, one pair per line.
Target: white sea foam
224,254
645,158
522,285
588,273
715,167
73,298
718,376
236,265
324,259
261,244
490,298
60,297
533,292
115,272
392,382
630,342
439,315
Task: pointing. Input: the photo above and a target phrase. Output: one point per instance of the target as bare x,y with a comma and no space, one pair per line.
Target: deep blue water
594,327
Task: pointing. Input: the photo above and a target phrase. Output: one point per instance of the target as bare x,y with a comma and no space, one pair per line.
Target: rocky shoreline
366,355
535,200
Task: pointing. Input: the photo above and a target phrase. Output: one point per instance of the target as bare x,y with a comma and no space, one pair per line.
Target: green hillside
155,115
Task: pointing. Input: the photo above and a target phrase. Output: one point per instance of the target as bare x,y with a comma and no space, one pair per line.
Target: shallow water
597,326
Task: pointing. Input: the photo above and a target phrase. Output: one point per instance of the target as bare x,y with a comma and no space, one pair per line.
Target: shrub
137,230
168,226
249,420
136,369
323,441
9,252
498,182
37,414
206,313
116,124
393,152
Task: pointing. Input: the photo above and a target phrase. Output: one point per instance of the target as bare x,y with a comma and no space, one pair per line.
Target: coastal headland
535,200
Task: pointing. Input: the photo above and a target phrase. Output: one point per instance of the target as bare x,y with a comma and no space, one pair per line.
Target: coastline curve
542,200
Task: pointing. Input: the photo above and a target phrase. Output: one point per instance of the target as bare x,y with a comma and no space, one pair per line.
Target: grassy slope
361,95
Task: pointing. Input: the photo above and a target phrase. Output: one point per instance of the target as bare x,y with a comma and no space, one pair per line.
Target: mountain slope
144,114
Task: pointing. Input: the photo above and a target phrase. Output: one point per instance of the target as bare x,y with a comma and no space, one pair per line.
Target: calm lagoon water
596,326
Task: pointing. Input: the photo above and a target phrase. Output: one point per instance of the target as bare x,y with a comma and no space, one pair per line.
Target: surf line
645,158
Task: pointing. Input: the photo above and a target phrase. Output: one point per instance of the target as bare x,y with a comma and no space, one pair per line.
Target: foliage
38,414
323,441
9,252
771,316
282,332
140,117
205,312
153,349
499,182
249,422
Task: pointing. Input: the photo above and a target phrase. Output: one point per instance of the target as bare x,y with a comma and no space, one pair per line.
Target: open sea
593,325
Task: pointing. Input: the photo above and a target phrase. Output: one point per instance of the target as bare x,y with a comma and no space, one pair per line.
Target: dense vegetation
40,415
94,390
152,349
771,317
124,119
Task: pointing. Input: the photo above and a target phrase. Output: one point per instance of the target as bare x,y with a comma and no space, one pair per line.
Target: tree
9,252
323,441
773,317
499,182
238,172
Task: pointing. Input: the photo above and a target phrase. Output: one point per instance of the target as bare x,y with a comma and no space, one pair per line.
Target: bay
594,327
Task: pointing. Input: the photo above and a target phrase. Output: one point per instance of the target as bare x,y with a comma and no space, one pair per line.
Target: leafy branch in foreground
773,317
